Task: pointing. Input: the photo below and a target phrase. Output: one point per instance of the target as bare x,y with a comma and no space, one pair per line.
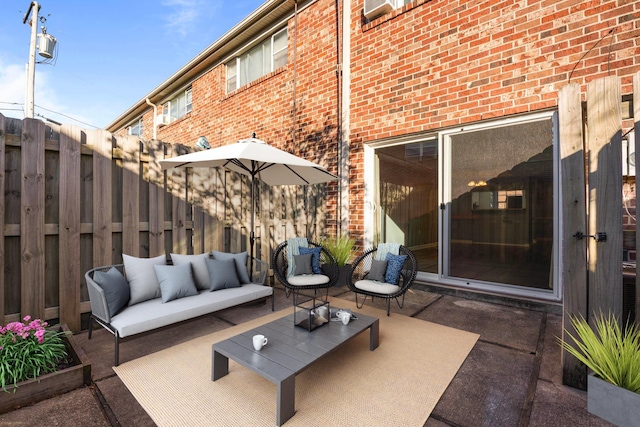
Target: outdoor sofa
144,294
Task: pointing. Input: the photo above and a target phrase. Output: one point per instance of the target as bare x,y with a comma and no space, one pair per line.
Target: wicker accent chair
315,282
360,283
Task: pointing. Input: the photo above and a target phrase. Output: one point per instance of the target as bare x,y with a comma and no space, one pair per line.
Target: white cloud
12,95
184,14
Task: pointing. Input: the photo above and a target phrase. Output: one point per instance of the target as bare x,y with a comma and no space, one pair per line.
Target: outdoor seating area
511,377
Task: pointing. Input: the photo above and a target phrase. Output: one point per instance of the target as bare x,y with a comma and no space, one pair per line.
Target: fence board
69,239
2,247
636,116
102,196
32,300
131,196
177,182
605,195
574,255
156,199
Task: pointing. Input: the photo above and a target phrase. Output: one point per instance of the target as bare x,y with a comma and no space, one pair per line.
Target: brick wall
436,64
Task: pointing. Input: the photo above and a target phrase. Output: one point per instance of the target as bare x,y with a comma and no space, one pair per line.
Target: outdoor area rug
397,384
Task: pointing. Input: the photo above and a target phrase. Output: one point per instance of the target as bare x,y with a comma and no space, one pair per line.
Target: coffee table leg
374,335
286,400
219,365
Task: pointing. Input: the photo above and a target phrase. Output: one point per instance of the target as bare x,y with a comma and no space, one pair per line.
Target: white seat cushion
308,280
377,287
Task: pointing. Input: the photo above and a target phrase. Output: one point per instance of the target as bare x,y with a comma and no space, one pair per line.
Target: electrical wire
590,49
46,109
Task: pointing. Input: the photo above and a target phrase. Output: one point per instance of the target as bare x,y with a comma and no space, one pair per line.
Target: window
136,128
258,61
179,106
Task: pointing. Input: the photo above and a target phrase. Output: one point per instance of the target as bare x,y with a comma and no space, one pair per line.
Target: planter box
612,403
52,384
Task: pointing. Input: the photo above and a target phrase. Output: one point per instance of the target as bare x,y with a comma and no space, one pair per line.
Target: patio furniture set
144,294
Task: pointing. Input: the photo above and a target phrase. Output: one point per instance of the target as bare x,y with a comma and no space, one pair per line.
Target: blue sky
110,54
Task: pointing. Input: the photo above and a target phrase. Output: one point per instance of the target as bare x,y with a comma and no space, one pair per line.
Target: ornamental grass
610,351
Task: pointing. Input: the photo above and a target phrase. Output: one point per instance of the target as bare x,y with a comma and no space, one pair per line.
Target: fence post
605,195
32,236
69,234
574,255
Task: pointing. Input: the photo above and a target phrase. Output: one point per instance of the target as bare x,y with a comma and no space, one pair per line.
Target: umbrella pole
252,237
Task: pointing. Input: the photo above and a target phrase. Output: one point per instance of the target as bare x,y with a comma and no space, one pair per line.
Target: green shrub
340,247
28,350
611,352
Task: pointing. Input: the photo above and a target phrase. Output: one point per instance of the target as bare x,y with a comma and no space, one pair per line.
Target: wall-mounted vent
375,8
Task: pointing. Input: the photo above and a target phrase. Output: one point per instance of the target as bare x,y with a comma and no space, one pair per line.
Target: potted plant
38,362
613,354
342,249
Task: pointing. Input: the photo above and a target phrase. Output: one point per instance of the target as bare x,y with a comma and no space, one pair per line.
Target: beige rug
397,384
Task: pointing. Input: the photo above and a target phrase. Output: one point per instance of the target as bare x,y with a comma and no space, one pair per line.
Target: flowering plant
27,350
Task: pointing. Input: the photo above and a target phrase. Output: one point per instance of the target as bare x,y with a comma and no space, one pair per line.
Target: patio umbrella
257,159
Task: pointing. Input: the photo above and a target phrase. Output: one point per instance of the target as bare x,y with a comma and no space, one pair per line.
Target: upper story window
178,106
261,59
136,128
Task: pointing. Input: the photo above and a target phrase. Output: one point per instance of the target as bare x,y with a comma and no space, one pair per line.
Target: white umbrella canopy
255,158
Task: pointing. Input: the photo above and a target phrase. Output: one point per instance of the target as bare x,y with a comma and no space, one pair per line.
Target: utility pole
31,66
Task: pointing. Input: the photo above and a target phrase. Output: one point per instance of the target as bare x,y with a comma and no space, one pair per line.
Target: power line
46,109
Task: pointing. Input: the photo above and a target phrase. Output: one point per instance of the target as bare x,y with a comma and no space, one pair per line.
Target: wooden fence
592,207
75,199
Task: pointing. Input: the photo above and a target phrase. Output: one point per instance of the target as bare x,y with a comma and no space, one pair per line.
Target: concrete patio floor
512,376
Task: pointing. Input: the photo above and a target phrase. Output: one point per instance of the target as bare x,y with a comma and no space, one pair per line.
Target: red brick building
440,117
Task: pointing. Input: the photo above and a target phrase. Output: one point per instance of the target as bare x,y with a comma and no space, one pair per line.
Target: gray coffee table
290,350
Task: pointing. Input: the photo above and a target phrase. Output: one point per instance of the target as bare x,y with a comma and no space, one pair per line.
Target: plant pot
612,403
49,385
344,272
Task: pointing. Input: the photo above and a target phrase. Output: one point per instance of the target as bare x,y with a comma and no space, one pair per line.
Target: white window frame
187,94
237,61
139,124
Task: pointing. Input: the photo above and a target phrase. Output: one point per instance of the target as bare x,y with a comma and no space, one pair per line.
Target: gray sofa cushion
176,281
241,263
141,276
198,265
115,287
222,274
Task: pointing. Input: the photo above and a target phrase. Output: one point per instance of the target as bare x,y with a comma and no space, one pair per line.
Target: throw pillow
241,264
176,281
394,265
143,282
303,264
115,287
315,260
222,274
378,270
199,266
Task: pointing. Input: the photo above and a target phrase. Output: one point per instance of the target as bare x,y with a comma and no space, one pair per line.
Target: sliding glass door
476,205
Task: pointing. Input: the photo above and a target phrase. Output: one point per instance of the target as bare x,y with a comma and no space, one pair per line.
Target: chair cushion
176,281
377,287
378,270
394,266
222,274
115,287
315,261
303,264
308,280
293,248
198,265
241,263
143,282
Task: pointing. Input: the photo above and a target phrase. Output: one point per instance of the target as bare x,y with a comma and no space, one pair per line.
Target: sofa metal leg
90,326
117,353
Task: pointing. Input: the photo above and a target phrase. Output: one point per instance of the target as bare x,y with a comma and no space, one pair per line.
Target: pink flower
27,318
40,335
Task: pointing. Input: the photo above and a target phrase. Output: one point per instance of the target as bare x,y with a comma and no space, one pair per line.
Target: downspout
155,114
295,70
344,126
